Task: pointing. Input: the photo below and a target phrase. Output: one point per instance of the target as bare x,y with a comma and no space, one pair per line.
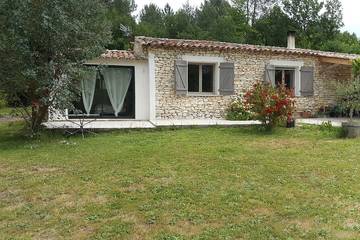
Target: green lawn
215,183
4,112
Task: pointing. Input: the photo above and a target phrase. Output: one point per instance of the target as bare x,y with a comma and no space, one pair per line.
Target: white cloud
351,10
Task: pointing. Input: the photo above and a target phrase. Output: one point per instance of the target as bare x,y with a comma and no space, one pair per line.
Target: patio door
102,106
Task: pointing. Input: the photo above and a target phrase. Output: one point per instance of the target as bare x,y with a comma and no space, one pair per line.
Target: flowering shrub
237,111
270,105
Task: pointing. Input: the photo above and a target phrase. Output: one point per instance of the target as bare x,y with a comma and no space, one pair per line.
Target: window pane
286,77
207,78
278,77
193,80
289,78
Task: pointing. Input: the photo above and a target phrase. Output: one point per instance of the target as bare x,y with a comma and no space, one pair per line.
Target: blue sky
351,10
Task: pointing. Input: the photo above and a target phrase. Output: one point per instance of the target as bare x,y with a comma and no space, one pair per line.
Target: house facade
193,79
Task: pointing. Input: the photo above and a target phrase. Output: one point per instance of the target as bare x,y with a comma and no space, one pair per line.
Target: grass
6,111
214,183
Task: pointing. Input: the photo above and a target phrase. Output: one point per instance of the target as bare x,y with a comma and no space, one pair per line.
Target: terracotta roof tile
224,46
119,54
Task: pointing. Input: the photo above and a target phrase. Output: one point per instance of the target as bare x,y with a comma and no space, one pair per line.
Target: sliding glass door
114,95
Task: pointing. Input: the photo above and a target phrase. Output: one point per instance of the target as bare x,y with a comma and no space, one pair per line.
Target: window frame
206,60
200,65
297,65
283,72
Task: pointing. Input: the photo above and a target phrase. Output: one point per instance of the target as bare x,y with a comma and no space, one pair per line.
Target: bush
270,105
349,93
236,111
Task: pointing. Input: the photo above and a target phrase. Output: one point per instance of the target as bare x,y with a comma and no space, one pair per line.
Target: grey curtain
117,81
88,89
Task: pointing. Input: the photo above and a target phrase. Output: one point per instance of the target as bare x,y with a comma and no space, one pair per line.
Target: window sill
195,94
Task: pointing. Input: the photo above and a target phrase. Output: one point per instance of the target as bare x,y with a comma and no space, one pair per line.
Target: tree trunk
253,19
38,115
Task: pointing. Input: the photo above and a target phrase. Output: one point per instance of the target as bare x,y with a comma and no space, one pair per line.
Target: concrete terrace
134,124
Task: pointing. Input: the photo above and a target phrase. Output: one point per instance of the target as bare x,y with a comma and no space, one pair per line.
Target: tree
122,22
343,42
254,9
316,22
219,21
272,28
182,24
331,20
151,21
45,44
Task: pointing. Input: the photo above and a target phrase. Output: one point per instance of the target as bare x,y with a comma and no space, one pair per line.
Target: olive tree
43,45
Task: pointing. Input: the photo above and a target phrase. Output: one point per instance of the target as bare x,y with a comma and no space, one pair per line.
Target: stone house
196,79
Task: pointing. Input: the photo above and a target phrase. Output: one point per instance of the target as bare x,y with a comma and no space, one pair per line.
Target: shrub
237,111
349,93
270,105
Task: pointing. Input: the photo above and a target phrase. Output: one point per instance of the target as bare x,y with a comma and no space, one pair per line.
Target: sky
350,9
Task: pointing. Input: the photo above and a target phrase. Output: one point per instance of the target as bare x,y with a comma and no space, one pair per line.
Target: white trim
152,87
285,63
202,59
291,64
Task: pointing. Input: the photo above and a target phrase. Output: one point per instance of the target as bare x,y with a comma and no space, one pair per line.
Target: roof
225,46
119,54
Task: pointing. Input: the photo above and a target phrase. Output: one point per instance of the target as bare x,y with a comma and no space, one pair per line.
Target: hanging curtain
117,81
88,89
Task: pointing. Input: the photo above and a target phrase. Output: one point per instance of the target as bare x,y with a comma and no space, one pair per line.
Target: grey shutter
307,81
270,74
227,76
181,77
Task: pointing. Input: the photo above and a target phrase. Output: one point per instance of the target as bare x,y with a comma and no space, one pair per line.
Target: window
285,76
101,105
201,78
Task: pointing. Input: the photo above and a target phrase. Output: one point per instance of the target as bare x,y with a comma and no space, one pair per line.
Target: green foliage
237,111
326,126
356,68
151,21
349,92
119,15
270,105
272,28
43,42
264,22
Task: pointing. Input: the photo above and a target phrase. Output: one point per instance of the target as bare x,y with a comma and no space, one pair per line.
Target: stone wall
249,68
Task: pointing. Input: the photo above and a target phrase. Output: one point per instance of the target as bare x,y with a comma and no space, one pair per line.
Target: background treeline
266,22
